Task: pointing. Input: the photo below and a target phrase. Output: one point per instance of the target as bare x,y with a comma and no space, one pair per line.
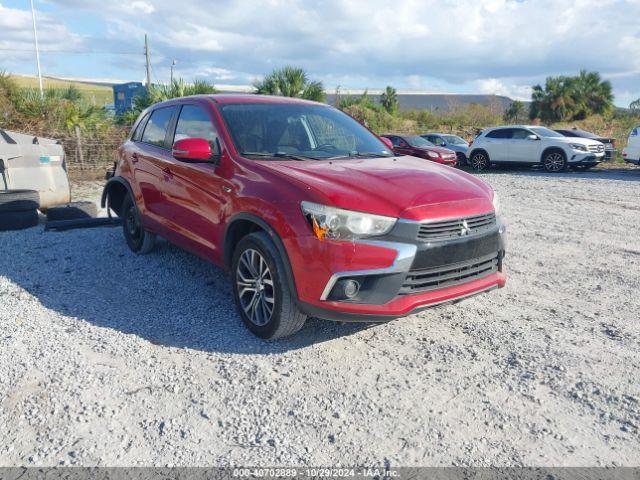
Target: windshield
418,142
298,131
454,140
545,132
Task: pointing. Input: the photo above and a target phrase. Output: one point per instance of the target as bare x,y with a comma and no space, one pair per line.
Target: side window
520,134
137,134
395,141
501,133
156,128
437,140
194,122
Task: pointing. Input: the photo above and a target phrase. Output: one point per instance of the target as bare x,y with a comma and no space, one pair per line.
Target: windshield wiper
300,158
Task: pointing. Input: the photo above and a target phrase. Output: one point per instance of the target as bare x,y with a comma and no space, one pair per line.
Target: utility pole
147,55
35,38
173,64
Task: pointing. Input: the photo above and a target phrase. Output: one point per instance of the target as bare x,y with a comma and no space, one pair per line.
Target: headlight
432,154
337,224
577,146
496,203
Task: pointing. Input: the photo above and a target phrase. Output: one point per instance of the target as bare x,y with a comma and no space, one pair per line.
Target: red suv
416,146
310,212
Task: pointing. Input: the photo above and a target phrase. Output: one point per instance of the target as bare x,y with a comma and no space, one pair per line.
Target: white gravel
111,359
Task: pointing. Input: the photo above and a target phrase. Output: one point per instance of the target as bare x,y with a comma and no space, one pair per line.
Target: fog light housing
347,289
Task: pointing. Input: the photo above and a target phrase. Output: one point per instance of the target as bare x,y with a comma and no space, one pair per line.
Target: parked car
533,145
451,142
608,142
631,153
416,146
312,214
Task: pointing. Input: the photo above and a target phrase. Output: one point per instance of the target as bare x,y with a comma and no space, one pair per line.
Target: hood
578,141
403,187
440,150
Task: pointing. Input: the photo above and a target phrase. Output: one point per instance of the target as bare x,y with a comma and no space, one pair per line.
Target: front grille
596,148
424,280
459,227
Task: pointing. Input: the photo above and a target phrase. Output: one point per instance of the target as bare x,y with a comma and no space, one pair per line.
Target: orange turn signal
318,231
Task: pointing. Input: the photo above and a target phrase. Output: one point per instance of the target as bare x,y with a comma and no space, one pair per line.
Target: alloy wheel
254,283
479,161
554,162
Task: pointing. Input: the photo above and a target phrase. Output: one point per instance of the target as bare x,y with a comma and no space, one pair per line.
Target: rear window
157,126
501,133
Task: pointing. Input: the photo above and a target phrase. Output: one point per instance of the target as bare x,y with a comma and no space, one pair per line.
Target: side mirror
443,144
533,137
192,149
387,142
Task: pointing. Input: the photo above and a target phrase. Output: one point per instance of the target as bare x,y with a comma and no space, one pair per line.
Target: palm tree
389,100
290,82
592,94
159,93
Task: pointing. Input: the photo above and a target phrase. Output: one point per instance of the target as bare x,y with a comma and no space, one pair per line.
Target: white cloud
495,86
499,45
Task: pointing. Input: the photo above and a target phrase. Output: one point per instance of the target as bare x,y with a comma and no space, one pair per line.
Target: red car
310,212
416,146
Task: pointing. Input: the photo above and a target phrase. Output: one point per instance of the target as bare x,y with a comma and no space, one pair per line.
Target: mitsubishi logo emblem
465,229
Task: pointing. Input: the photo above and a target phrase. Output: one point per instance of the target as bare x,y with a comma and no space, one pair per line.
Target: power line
78,52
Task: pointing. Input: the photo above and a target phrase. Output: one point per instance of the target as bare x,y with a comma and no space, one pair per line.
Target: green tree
571,98
515,113
389,100
290,82
591,95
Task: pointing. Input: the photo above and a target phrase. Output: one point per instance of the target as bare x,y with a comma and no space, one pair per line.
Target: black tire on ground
19,200
462,159
479,160
73,211
18,220
138,239
261,291
554,161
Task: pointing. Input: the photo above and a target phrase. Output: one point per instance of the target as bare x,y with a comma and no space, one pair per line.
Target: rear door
497,144
151,158
196,194
522,149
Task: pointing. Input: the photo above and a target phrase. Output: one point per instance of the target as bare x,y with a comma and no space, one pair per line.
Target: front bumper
392,271
635,161
586,159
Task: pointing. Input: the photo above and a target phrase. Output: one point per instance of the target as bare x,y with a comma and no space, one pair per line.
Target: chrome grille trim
455,228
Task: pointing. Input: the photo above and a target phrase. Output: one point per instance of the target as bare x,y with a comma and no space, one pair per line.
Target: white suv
533,145
631,153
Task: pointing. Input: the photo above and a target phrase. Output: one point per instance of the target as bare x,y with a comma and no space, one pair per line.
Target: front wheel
479,161
138,239
261,291
554,162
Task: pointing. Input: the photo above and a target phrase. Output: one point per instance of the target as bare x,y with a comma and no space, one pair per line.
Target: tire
462,159
479,160
18,220
256,257
73,211
138,239
19,200
554,161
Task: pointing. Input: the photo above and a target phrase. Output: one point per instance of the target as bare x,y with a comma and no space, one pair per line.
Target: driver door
195,192
522,149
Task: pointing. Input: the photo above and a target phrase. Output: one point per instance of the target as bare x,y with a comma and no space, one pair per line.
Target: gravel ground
112,359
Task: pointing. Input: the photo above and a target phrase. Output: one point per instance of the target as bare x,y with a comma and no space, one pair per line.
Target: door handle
167,171
134,157
226,189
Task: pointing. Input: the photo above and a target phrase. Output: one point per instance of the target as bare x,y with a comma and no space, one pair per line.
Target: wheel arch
114,192
242,224
553,148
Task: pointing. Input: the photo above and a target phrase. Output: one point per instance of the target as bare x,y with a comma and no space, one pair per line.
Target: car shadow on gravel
610,173
169,297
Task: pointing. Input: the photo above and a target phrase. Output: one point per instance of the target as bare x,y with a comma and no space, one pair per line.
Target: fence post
79,155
